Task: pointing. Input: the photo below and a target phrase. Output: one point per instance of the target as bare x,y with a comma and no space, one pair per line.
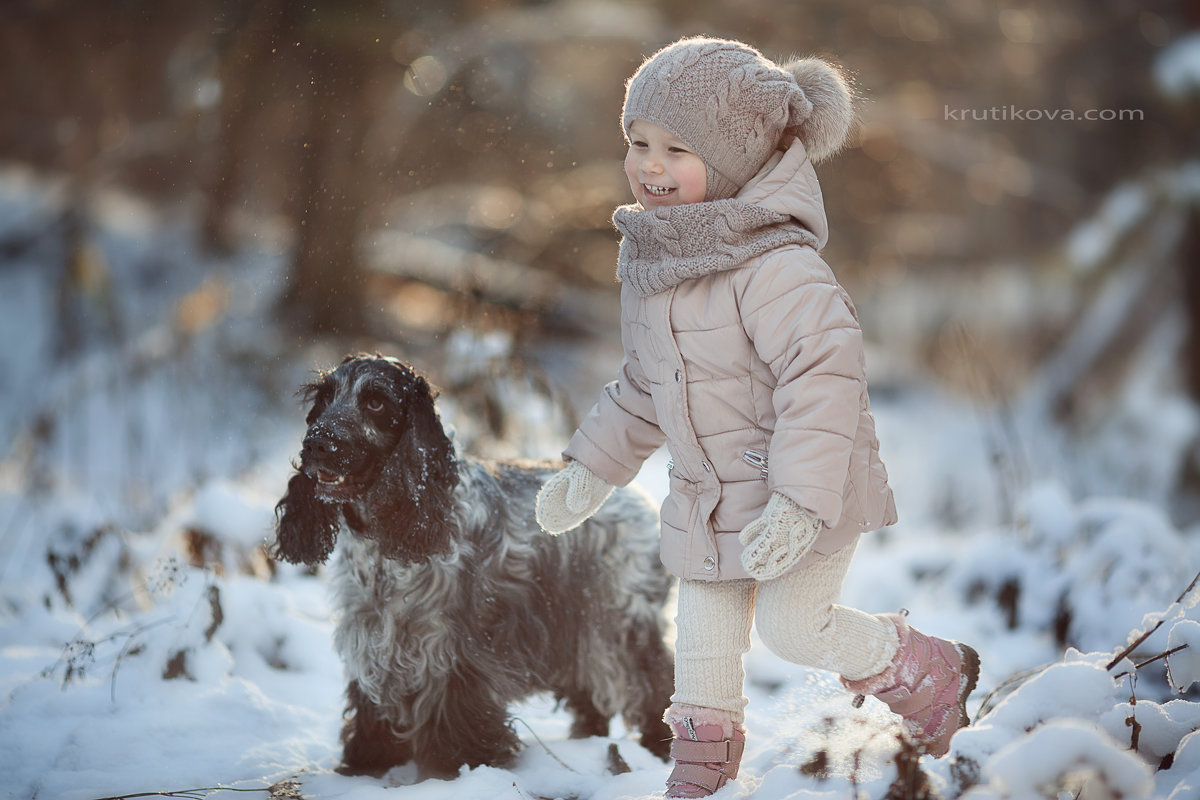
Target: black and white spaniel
451,602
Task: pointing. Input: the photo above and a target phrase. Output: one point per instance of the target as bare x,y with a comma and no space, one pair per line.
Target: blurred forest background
201,202
425,166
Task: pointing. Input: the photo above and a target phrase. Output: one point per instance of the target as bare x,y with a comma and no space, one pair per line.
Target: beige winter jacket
761,363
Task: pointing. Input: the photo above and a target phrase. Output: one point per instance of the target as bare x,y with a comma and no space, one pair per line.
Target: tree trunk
1189,265
326,288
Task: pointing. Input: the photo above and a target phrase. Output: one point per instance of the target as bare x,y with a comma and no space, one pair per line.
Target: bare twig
986,705
856,766
129,634
1131,720
1136,728
1151,660
197,793
1011,681
543,744
129,647
1147,634
1163,654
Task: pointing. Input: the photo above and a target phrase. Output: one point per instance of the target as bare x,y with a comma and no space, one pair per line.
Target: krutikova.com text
1014,114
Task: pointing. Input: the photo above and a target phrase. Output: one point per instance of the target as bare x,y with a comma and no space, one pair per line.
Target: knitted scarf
663,247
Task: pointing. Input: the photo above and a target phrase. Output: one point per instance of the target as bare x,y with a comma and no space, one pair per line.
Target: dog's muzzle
322,459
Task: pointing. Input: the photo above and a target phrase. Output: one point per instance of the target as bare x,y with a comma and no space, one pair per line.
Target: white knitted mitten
569,497
780,537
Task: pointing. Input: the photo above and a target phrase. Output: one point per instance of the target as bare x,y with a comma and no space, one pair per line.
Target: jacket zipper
756,459
751,457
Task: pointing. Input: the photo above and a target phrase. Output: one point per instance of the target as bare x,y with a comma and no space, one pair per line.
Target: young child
744,354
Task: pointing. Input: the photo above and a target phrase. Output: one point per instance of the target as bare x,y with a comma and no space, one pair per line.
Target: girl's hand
778,539
569,497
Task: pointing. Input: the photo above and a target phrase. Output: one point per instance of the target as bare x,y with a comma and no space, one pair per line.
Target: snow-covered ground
125,669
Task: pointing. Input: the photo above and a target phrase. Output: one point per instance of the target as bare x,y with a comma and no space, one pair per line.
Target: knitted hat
733,106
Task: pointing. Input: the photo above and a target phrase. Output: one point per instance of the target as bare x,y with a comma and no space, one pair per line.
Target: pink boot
927,683
707,750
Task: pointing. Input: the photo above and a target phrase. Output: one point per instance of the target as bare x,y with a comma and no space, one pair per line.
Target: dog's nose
318,443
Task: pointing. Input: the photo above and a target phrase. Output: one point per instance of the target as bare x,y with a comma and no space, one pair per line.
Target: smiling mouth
657,191
333,486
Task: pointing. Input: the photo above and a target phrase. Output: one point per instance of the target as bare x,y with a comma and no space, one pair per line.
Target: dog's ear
317,394
305,527
412,498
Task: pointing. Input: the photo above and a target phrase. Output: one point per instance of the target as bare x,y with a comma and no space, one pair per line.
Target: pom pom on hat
826,127
733,106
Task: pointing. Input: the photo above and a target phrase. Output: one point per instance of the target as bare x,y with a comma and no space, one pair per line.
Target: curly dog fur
451,602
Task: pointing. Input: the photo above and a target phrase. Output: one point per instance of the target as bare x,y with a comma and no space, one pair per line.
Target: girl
744,354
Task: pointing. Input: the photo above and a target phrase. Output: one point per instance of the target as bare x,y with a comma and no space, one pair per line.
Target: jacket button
706,465
678,375
710,563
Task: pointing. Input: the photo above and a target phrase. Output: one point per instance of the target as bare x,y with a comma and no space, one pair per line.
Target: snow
1178,67
1183,666
1061,756
1160,725
1187,763
1093,240
146,645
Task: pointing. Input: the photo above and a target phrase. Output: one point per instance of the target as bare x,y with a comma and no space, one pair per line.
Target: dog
452,603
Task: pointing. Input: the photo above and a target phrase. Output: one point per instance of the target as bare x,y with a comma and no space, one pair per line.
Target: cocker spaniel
451,602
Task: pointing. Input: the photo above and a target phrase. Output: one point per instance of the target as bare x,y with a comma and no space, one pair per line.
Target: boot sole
970,677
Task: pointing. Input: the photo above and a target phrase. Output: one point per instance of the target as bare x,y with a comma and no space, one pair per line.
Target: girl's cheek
630,165
631,175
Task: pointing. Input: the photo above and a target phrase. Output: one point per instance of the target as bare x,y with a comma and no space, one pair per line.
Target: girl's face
662,170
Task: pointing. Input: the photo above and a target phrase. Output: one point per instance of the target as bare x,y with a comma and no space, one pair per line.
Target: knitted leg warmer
712,635
798,620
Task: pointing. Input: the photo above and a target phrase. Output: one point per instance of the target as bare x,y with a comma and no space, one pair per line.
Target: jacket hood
787,184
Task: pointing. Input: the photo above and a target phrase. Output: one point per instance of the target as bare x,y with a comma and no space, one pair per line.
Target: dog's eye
374,405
